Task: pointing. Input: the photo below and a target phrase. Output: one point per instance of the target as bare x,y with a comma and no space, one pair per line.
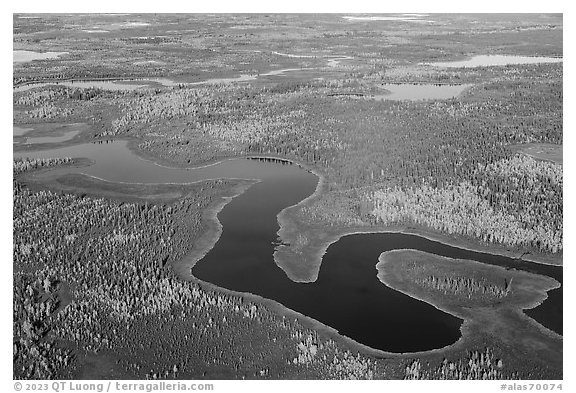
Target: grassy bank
488,298
306,243
75,316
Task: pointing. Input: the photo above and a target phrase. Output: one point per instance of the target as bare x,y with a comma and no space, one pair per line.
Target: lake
101,84
496,60
19,131
56,133
52,139
347,295
147,83
417,92
24,56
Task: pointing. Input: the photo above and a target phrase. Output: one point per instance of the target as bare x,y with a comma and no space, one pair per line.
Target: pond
52,139
496,60
541,151
150,83
147,83
24,56
335,61
215,81
347,294
56,133
125,85
19,131
417,92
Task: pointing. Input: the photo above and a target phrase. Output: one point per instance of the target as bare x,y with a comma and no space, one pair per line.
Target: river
347,294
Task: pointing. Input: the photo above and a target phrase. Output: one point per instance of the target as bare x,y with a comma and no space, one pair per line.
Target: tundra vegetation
92,275
97,283
478,365
489,298
72,303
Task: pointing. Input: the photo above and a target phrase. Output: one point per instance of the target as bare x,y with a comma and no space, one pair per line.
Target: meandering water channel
347,294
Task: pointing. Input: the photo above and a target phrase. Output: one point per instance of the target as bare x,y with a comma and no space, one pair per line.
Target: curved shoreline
382,261
318,250
288,223
212,234
322,239
505,321
58,81
183,268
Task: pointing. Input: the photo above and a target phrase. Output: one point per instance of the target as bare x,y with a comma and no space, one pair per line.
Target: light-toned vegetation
515,202
478,365
445,166
97,273
26,164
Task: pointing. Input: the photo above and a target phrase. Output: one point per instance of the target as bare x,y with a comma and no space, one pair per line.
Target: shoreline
382,275
289,223
103,79
489,319
322,240
183,269
286,222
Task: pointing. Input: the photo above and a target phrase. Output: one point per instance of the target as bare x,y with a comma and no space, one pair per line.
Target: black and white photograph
206,197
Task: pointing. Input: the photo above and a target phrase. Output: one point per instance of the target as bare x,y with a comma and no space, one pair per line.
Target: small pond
24,56
417,92
52,139
19,131
55,133
122,85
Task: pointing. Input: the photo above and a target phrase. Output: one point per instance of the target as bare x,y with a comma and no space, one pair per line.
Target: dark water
347,295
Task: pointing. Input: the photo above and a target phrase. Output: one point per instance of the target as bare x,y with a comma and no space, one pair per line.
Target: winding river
347,294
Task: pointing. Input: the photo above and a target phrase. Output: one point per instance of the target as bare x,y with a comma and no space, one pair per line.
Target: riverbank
206,334
207,229
457,285
216,232
490,299
474,338
209,237
316,239
56,129
301,257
